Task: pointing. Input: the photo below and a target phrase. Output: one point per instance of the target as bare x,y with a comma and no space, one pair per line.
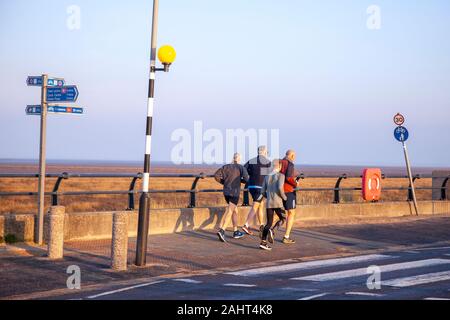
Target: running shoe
270,236
247,230
288,241
221,235
238,235
265,246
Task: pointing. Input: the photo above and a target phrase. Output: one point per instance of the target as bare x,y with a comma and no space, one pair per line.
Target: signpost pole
411,182
39,224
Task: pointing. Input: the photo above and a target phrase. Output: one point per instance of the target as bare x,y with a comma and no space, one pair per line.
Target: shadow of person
215,216
185,221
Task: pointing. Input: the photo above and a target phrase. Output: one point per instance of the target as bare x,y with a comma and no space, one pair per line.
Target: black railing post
193,197
410,194
62,177
131,191
337,194
444,189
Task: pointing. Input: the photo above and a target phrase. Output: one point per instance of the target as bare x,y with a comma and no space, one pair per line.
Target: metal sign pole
411,182
39,224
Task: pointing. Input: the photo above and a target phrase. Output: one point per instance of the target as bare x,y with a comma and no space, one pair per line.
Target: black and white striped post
167,56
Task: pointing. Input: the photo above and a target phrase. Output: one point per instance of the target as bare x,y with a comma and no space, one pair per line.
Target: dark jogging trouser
270,214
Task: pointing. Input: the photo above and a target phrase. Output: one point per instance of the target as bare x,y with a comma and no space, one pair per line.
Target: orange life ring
371,184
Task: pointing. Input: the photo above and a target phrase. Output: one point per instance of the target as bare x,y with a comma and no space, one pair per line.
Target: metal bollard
56,232
119,245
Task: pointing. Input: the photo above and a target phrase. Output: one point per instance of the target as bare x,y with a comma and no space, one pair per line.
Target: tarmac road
411,274
412,256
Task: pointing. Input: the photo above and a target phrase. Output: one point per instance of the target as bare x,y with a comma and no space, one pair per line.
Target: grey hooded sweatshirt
273,190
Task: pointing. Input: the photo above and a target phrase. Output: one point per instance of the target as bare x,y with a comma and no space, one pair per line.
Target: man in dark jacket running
257,168
231,176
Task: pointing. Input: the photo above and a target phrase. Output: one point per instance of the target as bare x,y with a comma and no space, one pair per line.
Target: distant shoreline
93,166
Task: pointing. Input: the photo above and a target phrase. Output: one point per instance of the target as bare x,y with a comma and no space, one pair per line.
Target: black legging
270,214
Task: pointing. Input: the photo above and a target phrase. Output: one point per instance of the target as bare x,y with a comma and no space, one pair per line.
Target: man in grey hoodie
231,176
273,190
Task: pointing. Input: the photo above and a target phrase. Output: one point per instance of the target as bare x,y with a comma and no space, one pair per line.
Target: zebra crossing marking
363,271
309,265
418,280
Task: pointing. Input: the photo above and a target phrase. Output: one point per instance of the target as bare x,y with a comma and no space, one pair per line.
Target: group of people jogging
272,186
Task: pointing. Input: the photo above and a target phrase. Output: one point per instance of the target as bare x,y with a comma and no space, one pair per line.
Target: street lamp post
167,56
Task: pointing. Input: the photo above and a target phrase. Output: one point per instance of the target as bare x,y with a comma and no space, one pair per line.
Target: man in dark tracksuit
231,176
257,168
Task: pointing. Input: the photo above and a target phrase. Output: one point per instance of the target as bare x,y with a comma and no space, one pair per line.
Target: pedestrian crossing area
394,271
382,269
418,280
393,276
308,265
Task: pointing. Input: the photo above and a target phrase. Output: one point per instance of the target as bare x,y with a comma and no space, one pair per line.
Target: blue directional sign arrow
33,110
36,110
55,82
401,134
65,109
62,94
52,82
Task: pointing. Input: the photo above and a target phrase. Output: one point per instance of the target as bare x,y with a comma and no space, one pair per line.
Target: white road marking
309,265
418,280
363,271
243,285
368,294
299,289
426,249
123,289
188,281
436,299
313,297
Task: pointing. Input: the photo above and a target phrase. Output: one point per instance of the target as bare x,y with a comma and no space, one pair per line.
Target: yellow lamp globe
167,54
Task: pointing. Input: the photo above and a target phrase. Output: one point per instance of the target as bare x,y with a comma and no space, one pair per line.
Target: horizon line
165,162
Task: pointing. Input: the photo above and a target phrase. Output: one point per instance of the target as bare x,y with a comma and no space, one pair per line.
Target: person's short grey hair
262,150
289,152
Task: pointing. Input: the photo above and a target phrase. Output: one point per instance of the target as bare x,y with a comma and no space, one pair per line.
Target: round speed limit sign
399,119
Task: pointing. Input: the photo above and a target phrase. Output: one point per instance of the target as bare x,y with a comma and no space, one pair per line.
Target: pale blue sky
309,68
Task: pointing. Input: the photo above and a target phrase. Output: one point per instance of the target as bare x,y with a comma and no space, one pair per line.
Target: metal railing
194,191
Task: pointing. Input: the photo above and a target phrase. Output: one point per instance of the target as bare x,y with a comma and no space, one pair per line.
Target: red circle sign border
399,123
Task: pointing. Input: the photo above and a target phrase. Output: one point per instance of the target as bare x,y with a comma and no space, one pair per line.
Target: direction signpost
401,134
39,222
62,94
52,90
37,81
57,109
